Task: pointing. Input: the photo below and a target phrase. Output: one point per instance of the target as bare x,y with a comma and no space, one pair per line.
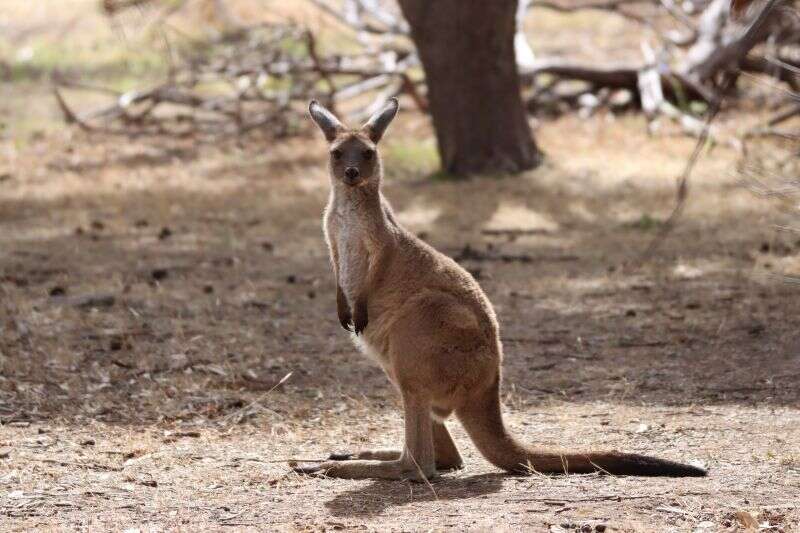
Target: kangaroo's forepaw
346,320
360,325
360,318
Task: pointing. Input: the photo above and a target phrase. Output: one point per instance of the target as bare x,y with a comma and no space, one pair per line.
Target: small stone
620,98
58,291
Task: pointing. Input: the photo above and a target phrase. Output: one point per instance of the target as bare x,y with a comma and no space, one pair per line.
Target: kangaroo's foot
417,461
448,462
400,469
373,455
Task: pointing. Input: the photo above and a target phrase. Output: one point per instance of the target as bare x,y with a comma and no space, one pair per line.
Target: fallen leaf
749,523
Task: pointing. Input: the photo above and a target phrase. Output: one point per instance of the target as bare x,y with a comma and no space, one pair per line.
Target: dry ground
152,295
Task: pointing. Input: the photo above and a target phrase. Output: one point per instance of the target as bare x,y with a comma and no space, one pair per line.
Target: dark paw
360,323
341,456
343,309
346,323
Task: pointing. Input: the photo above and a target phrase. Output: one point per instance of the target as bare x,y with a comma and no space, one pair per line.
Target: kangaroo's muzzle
351,175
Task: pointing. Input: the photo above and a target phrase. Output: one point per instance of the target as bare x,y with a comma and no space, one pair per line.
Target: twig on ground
240,413
682,192
90,466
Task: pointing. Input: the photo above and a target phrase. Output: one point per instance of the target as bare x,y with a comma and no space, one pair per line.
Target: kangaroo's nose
351,173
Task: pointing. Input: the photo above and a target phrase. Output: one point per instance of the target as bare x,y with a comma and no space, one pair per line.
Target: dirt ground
154,295
168,334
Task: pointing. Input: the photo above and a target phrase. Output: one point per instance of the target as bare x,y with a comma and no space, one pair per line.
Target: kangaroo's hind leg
417,462
447,456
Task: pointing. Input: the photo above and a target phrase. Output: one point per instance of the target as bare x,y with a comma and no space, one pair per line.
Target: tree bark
467,50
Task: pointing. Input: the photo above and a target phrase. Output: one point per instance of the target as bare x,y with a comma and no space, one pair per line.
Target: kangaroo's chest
352,261
350,238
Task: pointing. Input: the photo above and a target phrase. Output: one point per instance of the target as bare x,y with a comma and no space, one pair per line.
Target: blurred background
621,176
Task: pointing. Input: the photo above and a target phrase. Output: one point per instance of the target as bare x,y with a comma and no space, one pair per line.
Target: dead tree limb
717,52
611,6
311,42
264,79
792,112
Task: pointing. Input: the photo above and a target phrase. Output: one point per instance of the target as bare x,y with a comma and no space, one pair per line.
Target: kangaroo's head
354,158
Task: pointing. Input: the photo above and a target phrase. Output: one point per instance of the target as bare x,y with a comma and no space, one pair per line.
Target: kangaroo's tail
483,421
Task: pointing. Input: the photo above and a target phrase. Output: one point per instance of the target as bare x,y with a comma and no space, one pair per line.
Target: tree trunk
467,51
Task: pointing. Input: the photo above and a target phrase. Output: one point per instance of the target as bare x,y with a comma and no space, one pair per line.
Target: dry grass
195,279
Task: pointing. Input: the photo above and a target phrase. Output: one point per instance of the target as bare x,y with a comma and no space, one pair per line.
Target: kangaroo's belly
373,352
368,349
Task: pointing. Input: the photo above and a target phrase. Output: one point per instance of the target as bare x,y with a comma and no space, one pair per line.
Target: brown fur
432,329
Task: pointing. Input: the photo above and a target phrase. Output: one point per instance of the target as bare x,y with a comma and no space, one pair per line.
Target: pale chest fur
349,244
354,242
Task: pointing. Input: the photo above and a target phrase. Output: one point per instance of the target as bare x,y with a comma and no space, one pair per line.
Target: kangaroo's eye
337,154
368,154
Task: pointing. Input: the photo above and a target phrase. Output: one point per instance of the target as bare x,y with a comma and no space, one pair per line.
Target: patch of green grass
334,41
443,175
108,60
409,156
644,223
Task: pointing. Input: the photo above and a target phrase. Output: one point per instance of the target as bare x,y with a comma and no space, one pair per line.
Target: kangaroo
427,322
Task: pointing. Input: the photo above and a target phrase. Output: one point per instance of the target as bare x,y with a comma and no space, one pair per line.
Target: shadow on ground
381,496
168,303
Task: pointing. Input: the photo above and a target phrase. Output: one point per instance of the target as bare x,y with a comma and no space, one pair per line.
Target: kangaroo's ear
376,126
326,120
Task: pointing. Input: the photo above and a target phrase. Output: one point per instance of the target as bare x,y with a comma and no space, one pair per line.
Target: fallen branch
265,76
793,111
90,466
612,6
272,70
707,59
